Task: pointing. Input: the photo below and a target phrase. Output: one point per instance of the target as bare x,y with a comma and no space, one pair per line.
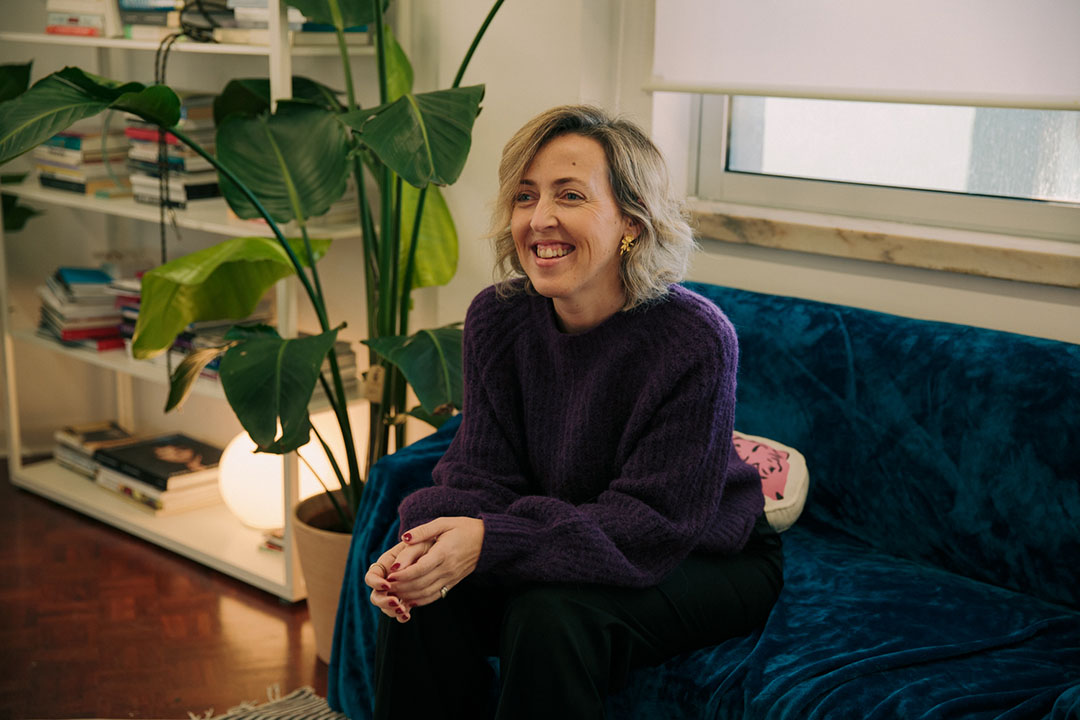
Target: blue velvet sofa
935,570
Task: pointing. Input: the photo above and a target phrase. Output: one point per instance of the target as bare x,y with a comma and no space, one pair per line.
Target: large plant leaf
14,79
424,138
251,96
221,282
430,360
294,161
350,12
437,249
59,100
269,381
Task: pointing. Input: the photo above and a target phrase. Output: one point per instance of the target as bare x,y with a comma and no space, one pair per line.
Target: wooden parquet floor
97,623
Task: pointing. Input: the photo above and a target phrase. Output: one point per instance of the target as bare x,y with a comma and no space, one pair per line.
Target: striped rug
302,704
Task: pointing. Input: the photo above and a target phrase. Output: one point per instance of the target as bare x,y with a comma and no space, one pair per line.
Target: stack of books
86,159
76,444
190,176
78,310
148,19
252,27
83,18
161,475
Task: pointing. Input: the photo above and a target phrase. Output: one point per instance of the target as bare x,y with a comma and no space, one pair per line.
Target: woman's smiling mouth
551,251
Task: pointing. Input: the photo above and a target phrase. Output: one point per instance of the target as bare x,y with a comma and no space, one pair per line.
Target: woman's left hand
452,557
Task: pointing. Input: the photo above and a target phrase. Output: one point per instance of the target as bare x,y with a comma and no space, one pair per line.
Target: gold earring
627,243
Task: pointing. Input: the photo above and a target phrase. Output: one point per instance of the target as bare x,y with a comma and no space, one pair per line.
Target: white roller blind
1019,53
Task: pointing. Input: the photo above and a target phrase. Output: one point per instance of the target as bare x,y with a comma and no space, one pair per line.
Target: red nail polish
407,537
399,611
385,588
395,566
393,604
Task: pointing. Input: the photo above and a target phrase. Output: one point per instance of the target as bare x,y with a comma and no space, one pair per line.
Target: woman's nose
543,216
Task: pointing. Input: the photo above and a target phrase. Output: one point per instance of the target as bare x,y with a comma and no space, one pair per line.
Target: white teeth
547,251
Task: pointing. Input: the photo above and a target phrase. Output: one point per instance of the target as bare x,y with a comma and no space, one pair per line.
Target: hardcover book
156,501
75,444
167,462
89,437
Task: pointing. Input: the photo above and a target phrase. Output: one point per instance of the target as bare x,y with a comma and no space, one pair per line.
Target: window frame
711,182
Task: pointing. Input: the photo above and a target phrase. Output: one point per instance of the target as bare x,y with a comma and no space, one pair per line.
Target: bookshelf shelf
210,215
180,46
119,361
210,536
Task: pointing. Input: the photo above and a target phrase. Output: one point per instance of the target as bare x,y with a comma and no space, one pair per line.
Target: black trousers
563,647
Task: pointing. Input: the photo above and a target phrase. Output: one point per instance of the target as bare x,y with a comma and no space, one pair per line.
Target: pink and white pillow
785,479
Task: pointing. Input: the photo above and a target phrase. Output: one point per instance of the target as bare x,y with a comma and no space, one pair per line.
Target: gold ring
443,591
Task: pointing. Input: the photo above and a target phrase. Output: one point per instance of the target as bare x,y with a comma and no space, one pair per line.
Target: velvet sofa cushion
859,633
945,443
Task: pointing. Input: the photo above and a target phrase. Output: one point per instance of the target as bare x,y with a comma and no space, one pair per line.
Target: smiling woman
591,514
629,171
567,229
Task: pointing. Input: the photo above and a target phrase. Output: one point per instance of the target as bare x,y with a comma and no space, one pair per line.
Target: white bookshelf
211,536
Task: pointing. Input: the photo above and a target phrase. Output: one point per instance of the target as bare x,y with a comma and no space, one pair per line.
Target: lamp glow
253,484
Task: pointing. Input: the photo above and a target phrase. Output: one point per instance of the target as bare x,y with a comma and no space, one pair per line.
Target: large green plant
289,165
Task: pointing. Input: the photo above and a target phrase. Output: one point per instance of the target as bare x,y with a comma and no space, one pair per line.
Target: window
1016,153
1002,170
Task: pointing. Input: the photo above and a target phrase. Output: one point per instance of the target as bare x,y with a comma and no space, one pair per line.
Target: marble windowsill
1045,262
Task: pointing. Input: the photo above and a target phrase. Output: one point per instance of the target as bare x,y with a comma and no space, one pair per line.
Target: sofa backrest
942,443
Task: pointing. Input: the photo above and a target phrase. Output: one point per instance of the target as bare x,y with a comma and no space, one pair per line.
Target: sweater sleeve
480,471
650,517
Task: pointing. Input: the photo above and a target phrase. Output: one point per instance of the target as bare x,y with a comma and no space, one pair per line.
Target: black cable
197,33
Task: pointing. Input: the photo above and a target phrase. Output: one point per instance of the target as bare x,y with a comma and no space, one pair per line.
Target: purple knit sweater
602,457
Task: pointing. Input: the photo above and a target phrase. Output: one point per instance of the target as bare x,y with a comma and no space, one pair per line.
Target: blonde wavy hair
639,181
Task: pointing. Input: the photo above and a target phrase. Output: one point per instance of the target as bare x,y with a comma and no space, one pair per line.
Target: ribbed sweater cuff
505,538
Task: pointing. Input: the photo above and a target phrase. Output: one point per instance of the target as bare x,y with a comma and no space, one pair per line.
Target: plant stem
475,42
346,520
380,49
410,264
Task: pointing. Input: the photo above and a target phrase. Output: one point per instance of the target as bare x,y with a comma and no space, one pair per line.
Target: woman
590,515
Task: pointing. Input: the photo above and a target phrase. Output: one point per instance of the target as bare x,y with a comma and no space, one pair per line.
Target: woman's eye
571,195
522,197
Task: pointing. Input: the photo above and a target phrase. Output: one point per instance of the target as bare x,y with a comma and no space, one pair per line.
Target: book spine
88,7
90,333
77,19
65,141
57,184
76,30
104,459
149,134
139,474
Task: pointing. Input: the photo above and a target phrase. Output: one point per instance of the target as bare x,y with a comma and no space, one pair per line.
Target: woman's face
567,228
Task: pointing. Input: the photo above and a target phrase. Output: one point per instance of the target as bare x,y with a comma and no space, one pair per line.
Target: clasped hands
430,557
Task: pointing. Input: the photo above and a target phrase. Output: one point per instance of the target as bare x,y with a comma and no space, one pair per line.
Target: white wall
534,56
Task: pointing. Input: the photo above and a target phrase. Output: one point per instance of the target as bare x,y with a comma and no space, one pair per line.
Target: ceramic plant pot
323,555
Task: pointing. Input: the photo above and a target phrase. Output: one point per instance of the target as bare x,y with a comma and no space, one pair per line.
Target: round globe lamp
252,484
